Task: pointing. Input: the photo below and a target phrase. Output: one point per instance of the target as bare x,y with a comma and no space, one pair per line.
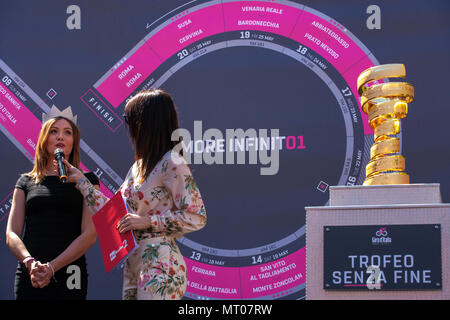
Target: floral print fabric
170,197
155,271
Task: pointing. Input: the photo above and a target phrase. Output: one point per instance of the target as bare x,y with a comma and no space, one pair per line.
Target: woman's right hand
73,174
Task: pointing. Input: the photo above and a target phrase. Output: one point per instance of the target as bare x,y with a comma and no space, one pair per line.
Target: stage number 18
302,49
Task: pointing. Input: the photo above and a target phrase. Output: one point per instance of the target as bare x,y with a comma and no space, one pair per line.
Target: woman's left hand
133,222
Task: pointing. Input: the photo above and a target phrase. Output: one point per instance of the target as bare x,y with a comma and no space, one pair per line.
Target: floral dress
170,197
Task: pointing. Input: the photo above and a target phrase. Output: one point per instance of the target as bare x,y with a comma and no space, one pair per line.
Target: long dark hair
151,117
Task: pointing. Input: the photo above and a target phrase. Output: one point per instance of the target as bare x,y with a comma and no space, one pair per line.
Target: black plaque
382,257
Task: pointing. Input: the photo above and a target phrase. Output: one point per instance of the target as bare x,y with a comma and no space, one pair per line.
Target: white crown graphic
54,112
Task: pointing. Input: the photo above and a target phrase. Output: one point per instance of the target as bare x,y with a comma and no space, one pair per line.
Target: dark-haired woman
162,198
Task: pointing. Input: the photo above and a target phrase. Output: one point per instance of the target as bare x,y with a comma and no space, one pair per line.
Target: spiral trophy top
385,104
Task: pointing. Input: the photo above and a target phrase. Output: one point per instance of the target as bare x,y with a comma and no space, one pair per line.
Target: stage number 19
245,34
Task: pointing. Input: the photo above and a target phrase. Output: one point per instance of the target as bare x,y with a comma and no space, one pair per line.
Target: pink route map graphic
328,39
23,125
272,271
280,277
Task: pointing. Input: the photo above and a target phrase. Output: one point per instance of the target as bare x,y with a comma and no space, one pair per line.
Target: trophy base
385,205
385,194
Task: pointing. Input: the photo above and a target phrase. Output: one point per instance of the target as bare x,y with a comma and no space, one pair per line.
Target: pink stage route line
103,189
304,27
314,32
213,281
337,48
18,120
117,87
23,125
187,30
269,17
273,277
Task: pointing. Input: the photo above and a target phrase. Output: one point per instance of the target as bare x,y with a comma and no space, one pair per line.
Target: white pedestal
376,205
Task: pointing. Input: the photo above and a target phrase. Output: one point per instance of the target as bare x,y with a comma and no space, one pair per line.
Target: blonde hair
42,157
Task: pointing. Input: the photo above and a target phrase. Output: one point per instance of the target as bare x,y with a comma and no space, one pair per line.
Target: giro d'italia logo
381,237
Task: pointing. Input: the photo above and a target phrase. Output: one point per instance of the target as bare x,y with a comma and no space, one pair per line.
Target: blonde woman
163,200
49,227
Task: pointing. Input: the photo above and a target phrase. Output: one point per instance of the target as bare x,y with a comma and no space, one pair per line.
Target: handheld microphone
59,155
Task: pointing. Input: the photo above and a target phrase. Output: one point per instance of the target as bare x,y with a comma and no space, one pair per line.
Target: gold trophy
385,104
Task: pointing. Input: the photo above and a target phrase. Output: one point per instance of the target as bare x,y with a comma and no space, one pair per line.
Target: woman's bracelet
25,261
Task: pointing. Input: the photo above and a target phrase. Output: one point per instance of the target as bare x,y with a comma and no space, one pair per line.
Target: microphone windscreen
59,153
